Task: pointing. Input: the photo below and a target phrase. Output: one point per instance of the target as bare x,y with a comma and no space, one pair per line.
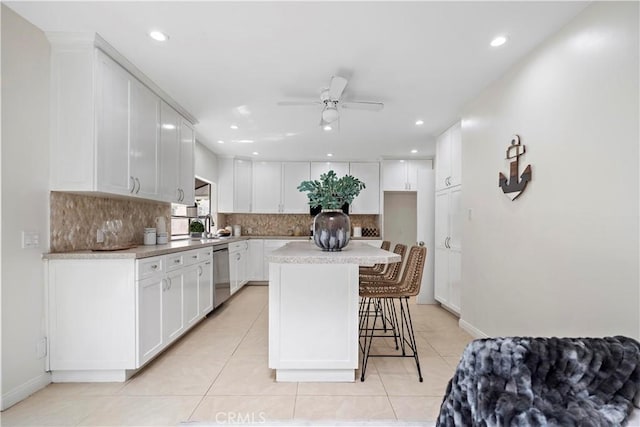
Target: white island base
313,310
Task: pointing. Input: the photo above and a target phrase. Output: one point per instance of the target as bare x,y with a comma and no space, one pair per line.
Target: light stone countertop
144,251
354,253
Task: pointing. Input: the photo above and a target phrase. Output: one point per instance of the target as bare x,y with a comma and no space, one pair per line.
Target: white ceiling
231,62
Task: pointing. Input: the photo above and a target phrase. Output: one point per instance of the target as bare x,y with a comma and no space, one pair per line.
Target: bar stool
408,286
377,268
390,274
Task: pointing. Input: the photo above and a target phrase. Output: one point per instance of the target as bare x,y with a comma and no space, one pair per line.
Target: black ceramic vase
331,230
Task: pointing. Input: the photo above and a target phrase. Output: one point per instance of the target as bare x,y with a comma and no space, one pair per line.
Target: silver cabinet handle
449,242
154,267
208,262
164,284
169,280
238,256
133,184
176,261
420,243
138,181
194,256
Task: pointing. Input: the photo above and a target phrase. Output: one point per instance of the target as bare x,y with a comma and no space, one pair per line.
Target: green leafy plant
196,227
331,192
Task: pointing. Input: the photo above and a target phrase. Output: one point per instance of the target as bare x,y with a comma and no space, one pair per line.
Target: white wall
206,163
562,259
25,203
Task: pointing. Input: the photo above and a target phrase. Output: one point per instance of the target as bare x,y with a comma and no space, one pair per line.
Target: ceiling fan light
330,114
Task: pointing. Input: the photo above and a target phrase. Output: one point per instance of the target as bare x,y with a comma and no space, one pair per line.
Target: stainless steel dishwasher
221,282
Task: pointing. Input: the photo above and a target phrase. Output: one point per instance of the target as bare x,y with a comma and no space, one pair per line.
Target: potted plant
196,228
331,227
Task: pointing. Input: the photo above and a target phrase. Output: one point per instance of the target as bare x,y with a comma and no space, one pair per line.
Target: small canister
357,231
149,236
237,230
162,238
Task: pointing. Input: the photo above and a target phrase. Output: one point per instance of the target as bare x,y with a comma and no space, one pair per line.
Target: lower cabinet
255,263
107,318
238,257
448,248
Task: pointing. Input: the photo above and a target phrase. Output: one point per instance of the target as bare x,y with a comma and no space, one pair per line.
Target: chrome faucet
209,223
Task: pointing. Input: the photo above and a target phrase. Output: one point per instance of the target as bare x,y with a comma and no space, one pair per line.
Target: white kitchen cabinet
108,317
402,175
238,258
293,200
176,157
205,282
234,185
105,128
144,150
449,158
448,248
255,263
275,187
368,201
267,187
318,168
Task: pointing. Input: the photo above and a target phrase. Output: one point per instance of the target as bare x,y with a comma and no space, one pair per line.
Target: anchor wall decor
513,187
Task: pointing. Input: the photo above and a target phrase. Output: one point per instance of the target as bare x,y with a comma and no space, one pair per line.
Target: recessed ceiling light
498,41
244,141
234,127
419,122
220,141
414,151
255,153
327,127
159,36
329,154
168,126
401,161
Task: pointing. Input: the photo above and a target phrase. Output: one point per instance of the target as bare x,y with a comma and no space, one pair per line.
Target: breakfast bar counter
313,310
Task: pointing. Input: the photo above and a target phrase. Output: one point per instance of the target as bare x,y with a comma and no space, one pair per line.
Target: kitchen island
313,310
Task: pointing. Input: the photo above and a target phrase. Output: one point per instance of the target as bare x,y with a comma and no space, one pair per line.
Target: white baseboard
475,332
25,390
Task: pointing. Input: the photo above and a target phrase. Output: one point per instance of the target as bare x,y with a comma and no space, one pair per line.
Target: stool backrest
385,245
393,270
412,275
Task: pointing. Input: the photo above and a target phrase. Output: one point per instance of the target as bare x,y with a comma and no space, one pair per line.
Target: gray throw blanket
544,382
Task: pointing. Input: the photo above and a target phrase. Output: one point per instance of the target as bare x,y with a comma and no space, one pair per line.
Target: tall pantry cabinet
448,219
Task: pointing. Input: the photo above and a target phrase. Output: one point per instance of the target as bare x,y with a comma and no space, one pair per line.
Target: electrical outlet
41,349
99,236
30,239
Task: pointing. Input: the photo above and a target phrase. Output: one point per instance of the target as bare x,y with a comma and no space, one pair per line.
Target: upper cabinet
107,133
275,187
449,158
402,175
368,201
318,168
234,185
292,200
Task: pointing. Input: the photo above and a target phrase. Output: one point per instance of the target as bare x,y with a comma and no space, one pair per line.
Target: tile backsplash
285,224
76,218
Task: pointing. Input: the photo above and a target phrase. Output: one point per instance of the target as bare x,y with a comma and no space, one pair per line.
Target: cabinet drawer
148,267
205,254
175,261
238,246
191,257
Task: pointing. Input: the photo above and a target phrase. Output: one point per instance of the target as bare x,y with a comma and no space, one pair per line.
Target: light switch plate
30,239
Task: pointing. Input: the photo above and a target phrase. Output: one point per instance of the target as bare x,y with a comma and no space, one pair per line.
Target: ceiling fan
330,100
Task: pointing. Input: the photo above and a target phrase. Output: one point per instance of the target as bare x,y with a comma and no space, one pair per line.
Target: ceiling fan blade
337,87
298,103
363,105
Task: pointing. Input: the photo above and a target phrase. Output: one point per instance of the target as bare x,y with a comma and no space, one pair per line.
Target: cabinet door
368,201
267,185
270,246
442,220
455,283
243,276
394,175
443,160
455,218
456,155
190,310
234,262
242,186
255,263
144,152
413,166
441,275
293,173
169,153
205,287
112,127
150,340
225,185
186,182
318,168
172,318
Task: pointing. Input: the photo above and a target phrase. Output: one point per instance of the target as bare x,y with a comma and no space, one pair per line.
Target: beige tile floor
218,373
